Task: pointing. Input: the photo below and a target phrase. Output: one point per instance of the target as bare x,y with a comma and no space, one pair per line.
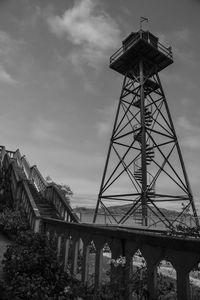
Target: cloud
191,138
8,48
86,200
180,41
178,79
182,35
182,38
192,142
104,126
89,28
5,77
45,131
187,125
184,56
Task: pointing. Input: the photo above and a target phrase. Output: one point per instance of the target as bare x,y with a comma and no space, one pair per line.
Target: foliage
33,271
166,287
5,194
63,188
184,231
5,202
13,221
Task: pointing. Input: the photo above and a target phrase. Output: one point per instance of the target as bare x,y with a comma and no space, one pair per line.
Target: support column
143,147
58,246
152,282
183,285
128,273
113,270
67,245
85,264
37,225
66,216
75,248
98,267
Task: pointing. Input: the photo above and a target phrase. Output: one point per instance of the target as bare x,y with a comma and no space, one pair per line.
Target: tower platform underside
126,59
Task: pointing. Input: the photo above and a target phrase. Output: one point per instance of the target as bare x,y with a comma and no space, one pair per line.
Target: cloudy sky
58,96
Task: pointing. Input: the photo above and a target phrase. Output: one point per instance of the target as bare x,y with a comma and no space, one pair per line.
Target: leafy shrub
33,271
5,202
13,221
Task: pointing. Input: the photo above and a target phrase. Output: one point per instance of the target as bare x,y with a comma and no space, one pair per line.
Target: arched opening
74,253
61,248
79,260
138,276
68,253
106,264
91,264
194,277
112,274
166,280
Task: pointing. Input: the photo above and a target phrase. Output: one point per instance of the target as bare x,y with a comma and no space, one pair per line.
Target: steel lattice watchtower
144,168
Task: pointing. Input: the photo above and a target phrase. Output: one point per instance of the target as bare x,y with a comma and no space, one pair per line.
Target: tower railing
160,47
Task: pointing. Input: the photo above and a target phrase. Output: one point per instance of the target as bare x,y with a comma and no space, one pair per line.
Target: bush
33,271
13,222
5,202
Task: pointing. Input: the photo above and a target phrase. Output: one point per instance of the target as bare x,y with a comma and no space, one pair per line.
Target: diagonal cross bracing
144,166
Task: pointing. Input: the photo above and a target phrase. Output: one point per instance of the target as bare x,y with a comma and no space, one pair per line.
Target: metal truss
144,169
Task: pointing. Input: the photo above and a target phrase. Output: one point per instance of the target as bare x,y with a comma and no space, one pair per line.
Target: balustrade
31,209
2,154
26,167
53,195
22,196
37,178
18,158
123,242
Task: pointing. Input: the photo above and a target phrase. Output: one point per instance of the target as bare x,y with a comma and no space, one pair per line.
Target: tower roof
140,44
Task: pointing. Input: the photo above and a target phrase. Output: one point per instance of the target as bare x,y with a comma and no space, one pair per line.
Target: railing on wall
32,173
53,195
21,194
2,154
28,204
18,158
38,180
26,166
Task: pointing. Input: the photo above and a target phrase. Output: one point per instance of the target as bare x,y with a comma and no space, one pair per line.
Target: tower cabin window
135,36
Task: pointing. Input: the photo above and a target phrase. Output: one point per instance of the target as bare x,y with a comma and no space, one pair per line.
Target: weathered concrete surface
4,241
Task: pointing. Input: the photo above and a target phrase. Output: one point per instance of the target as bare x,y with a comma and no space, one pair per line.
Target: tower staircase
46,208
150,154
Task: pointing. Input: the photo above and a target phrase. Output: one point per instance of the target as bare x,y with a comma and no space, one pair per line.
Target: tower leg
143,145
144,170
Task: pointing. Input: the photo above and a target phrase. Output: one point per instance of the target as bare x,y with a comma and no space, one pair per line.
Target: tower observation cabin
141,44
144,170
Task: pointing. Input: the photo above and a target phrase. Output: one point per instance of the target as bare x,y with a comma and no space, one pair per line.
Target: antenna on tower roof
142,19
